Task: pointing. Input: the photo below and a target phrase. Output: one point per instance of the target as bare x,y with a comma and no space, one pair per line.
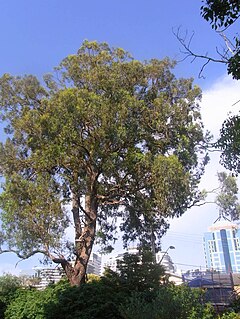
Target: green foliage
93,278
9,284
27,304
137,307
93,300
222,14
234,61
31,303
136,273
170,302
229,143
227,199
104,132
101,299
38,210
230,315
113,296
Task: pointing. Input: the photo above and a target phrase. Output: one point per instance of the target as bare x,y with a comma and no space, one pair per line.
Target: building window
235,241
236,244
212,246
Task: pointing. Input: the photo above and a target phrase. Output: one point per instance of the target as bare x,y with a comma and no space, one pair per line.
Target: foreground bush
169,303
9,284
60,301
135,292
100,299
31,303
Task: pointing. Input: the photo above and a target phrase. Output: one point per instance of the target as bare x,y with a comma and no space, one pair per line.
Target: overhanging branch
23,256
189,53
196,204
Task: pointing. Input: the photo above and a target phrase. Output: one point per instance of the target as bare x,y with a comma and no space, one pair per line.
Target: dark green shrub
90,301
169,302
136,292
9,284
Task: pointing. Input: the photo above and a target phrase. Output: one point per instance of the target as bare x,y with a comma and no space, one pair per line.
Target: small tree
227,199
106,134
229,143
136,272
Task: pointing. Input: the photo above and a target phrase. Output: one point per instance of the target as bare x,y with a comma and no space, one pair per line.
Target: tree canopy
106,134
220,13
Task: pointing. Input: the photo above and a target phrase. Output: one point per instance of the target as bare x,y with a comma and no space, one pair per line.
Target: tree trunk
84,239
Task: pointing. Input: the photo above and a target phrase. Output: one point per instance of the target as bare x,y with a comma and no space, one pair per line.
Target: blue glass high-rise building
222,247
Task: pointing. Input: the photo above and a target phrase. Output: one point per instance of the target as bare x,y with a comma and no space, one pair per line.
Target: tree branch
189,53
113,202
195,204
57,260
22,256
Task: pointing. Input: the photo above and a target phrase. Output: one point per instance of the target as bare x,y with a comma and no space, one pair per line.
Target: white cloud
218,101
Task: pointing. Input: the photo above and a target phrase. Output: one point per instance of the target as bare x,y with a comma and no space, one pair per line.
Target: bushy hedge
60,301
101,299
135,292
105,299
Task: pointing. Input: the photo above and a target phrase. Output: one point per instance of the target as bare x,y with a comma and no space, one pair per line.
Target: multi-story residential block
48,276
222,247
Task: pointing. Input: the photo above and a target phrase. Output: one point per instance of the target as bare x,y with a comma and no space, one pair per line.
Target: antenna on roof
221,216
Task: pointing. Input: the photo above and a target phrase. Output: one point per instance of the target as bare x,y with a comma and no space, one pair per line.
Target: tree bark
84,238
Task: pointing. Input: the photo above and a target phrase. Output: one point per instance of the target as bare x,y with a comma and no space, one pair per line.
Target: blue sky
35,35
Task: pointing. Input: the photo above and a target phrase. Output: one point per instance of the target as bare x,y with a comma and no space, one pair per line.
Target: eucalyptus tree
109,136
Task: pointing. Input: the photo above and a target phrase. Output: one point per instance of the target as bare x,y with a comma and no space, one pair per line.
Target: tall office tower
222,247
